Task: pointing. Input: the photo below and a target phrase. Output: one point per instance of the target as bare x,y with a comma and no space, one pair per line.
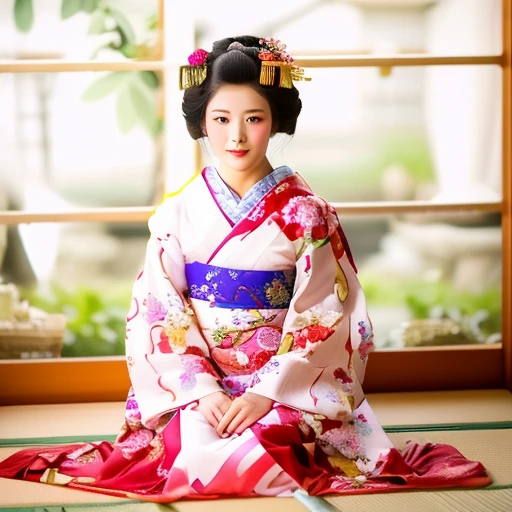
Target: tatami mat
391,409
491,444
442,501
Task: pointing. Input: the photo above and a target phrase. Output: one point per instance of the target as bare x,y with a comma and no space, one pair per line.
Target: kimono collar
232,205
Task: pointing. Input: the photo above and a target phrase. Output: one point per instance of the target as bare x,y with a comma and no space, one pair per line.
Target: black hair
239,65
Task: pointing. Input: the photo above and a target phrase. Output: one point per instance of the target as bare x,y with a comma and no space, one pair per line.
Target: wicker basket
28,340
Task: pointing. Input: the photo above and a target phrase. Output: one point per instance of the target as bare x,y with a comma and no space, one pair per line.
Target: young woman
248,333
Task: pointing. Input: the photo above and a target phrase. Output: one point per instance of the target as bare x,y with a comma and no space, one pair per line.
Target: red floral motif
165,347
340,374
312,333
164,344
304,216
275,48
194,351
266,55
259,359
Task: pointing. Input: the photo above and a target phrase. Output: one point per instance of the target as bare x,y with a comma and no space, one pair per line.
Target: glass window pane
430,280
362,26
79,139
54,29
425,133
426,280
84,271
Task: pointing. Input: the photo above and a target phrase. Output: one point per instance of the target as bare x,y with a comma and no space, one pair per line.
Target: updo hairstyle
239,66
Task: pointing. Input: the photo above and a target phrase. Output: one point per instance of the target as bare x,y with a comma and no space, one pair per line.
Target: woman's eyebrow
251,111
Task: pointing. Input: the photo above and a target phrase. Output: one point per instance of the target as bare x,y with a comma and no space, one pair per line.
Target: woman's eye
221,120
253,119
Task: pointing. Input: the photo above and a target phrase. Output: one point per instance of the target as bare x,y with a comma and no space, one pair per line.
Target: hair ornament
277,65
236,46
195,72
274,57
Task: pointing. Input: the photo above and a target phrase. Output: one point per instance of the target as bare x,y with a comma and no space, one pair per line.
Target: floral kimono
258,295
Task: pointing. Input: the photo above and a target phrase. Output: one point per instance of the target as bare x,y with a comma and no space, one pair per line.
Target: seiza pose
248,333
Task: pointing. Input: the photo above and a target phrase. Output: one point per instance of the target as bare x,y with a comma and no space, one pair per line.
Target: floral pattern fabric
304,344
234,207
234,289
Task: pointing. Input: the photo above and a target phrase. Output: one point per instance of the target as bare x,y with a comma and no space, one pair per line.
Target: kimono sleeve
327,334
166,354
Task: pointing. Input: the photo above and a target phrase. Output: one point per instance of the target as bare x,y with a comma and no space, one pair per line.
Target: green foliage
410,150
359,175
428,299
143,102
136,91
95,320
125,111
97,22
123,26
69,8
150,78
89,6
106,85
135,99
23,15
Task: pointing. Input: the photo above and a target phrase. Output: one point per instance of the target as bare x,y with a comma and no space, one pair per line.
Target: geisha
248,333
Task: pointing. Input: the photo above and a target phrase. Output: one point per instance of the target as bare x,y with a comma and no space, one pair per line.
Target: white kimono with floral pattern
270,305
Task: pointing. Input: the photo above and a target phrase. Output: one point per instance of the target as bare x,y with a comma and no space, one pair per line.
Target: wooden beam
142,214
506,221
61,66
358,61
325,61
105,379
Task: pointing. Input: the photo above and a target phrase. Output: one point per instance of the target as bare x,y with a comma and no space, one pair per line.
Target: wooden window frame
427,368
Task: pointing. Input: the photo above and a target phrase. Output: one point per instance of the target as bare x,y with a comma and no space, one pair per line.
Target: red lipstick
238,153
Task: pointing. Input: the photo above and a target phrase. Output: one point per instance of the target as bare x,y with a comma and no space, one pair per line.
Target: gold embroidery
340,283
346,465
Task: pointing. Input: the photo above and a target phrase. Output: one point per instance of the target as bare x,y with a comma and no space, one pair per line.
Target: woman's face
238,123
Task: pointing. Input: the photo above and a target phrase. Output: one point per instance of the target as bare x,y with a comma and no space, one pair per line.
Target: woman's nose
237,133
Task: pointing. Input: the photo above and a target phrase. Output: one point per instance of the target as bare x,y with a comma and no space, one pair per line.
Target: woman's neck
241,182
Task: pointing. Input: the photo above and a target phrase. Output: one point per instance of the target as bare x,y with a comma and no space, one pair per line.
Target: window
416,173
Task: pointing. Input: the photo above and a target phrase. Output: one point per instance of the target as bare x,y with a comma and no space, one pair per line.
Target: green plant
95,320
136,90
478,314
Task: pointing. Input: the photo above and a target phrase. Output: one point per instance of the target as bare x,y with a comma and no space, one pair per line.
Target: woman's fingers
217,414
210,418
226,420
236,422
224,406
248,421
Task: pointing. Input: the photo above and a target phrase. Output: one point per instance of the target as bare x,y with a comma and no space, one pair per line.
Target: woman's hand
243,412
214,406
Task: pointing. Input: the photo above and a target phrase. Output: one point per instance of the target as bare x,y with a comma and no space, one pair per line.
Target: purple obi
240,289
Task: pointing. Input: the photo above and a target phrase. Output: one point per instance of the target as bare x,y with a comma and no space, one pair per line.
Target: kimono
258,295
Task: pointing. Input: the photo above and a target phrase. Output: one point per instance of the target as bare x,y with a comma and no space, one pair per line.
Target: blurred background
91,139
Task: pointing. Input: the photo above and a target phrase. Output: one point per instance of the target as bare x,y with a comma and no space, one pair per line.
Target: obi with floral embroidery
232,288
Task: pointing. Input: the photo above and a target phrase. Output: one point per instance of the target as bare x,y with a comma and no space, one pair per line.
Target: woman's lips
238,153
